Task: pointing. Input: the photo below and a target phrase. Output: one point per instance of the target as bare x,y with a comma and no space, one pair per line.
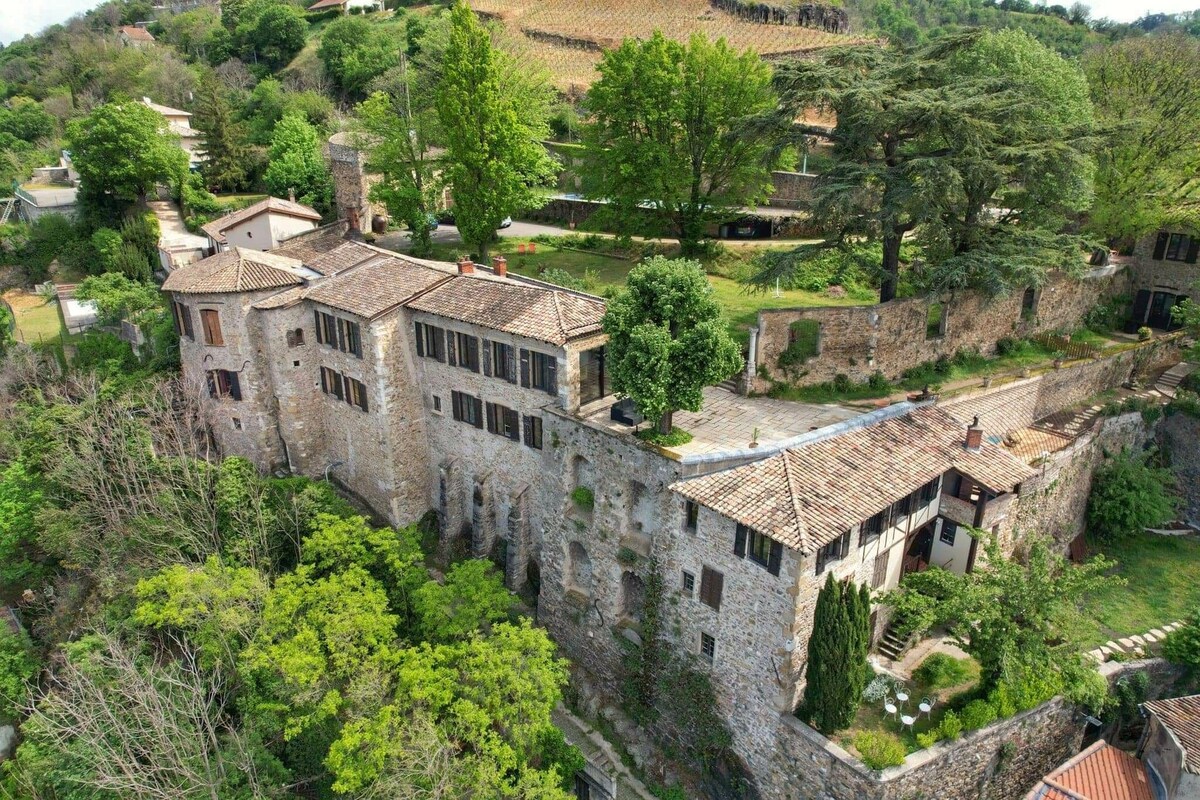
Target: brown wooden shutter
739,541
551,375
451,348
321,329
510,353
1193,250
524,367
512,421
712,583
473,353
420,334
487,358
439,343
491,417
187,322
211,378
475,401
235,386
776,558
1160,245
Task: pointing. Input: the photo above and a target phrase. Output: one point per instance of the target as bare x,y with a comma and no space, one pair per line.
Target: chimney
500,266
291,194
466,266
974,436
352,220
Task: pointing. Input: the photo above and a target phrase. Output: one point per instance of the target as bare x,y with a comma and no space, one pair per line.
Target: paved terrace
727,421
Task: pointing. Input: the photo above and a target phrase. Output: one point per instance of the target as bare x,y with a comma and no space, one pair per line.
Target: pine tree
223,142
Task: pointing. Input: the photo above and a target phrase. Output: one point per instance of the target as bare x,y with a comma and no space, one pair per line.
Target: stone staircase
1168,383
892,646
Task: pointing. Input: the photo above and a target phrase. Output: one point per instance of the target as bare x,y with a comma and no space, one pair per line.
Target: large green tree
1147,96
397,134
223,138
670,126
271,31
977,143
495,163
355,51
667,339
296,164
1019,617
123,149
1129,495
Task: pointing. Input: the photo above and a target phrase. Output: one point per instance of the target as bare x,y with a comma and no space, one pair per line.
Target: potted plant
1059,355
1144,333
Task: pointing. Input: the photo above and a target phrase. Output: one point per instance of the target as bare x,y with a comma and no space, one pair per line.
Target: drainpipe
752,358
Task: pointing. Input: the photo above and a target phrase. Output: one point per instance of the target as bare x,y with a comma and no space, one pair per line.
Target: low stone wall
791,189
858,341
1001,761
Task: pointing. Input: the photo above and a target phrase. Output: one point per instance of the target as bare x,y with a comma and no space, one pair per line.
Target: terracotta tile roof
134,32
216,229
1101,772
317,6
285,298
237,270
808,496
1182,716
535,311
377,285
341,258
308,245
166,111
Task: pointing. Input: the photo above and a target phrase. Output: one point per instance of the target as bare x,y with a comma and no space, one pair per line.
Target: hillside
569,36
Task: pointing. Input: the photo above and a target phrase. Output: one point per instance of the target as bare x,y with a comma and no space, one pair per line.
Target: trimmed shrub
978,714
879,749
940,671
951,726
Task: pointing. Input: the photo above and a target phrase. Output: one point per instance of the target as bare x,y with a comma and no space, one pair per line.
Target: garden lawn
872,717
37,321
1162,587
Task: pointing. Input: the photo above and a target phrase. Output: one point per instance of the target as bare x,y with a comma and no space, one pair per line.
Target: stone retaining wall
891,337
1001,761
1178,434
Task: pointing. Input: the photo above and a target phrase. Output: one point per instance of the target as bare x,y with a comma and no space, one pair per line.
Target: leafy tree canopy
1019,618
355,51
495,162
671,126
117,297
667,340
124,149
296,164
975,143
1129,495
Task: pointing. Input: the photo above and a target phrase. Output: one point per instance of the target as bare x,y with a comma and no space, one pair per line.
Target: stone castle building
483,395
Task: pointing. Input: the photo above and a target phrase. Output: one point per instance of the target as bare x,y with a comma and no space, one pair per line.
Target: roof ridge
797,511
558,313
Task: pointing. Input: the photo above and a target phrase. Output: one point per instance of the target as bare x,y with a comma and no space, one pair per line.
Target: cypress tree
223,140
836,671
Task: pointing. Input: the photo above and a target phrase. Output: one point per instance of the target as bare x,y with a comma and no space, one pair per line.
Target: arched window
579,569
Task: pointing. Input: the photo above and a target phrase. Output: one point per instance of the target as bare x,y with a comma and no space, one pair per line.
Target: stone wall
791,189
351,182
891,337
1178,435
243,427
1054,502
1148,272
1005,408
1000,762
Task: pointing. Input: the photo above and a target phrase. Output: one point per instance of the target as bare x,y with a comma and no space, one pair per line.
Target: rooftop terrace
727,422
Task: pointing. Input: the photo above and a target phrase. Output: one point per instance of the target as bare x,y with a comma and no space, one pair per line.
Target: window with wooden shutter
451,352
210,323
466,351
419,336
354,339
486,358
708,647
185,315
524,367
533,432
739,540
1160,245
543,372
512,424
691,516
223,383
758,547
879,575
775,558
712,583
329,328
492,414
502,361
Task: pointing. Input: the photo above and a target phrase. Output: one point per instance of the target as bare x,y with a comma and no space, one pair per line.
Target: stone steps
1168,383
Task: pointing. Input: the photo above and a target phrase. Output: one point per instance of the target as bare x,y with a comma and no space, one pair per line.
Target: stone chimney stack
291,194
466,266
352,220
974,436
500,266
